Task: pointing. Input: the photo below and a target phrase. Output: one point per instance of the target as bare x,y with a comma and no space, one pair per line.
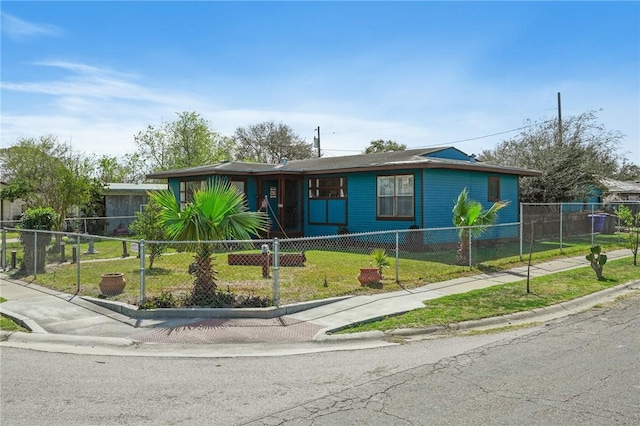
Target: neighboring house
10,211
363,193
612,190
123,200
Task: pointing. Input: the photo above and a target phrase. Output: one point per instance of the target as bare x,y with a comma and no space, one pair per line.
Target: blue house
362,193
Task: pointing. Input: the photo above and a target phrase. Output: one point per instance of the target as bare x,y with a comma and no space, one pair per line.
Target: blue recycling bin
598,221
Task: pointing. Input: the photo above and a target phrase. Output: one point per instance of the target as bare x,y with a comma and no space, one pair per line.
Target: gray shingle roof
412,158
135,187
621,187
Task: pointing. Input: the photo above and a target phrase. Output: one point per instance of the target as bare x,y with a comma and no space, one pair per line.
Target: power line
488,136
423,125
460,140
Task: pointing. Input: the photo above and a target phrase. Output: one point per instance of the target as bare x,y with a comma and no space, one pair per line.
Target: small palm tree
471,218
381,259
216,212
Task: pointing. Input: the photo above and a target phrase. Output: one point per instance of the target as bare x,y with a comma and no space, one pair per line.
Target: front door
291,203
281,199
269,202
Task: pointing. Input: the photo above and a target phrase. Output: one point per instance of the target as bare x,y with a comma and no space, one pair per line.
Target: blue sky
420,73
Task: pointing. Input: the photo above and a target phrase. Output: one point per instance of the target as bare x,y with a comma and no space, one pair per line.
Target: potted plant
381,259
369,276
373,274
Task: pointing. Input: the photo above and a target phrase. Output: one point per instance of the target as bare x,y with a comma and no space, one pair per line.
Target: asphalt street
580,369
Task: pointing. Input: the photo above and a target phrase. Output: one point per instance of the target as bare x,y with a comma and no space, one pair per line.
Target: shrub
221,299
149,226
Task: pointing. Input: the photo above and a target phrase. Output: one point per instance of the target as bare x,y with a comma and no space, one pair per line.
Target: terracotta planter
369,276
112,284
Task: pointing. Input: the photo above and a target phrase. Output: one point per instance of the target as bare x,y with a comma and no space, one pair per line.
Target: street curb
73,340
559,310
21,320
133,312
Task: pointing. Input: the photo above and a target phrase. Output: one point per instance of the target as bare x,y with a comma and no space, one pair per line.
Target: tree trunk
34,250
204,288
463,250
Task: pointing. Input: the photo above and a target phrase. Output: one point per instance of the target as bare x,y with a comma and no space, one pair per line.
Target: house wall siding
451,154
441,189
361,209
435,192
121,209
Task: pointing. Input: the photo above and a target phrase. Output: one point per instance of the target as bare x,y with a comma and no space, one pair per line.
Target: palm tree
216,212
470,217
381,259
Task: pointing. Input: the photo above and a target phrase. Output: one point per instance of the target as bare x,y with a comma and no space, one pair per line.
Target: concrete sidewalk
61,319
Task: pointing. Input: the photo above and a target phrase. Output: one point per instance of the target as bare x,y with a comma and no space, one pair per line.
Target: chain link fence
273,272
573,223
117,226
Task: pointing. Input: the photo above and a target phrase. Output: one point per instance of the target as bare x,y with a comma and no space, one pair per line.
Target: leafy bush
43,219
632,223
224,299
163,300
148,226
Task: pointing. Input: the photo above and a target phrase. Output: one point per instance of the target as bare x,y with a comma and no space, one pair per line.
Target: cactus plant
597,260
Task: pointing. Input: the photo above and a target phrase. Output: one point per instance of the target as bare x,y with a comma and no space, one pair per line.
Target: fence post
3,255
77,260
265,261
521,228
142,282
276,272
592,220
561,236
470,261
398,255
35,254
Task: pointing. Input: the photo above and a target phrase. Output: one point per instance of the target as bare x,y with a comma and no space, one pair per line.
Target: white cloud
18,29
100,110
91,82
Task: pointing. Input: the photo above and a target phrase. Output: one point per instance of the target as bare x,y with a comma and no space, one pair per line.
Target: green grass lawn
7,324
508,298
12,235
325,273
103,249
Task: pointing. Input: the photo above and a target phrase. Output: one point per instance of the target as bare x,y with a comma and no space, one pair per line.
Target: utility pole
316,141
559,120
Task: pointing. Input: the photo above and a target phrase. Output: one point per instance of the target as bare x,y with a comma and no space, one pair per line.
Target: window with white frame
395,197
